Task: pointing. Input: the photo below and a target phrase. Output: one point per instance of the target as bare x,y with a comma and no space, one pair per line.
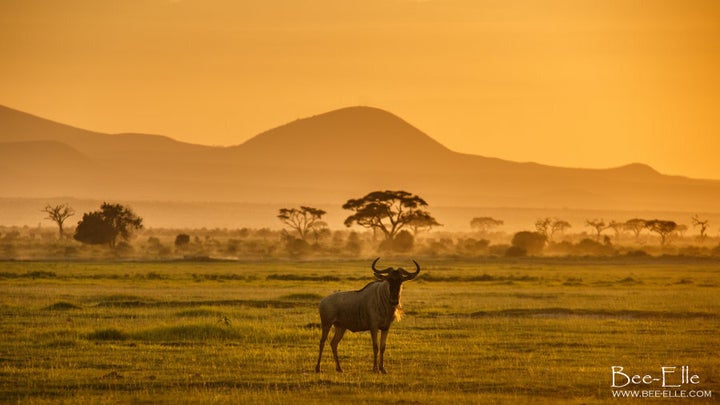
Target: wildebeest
371,308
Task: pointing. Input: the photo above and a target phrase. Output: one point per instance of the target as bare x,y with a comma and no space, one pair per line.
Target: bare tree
599,225
58,214
543,226
549,226
703,224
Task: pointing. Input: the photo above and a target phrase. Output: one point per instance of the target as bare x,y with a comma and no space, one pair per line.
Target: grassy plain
487,331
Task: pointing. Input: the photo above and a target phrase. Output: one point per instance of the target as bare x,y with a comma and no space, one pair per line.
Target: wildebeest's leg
383,339
373,336
325,331
339,332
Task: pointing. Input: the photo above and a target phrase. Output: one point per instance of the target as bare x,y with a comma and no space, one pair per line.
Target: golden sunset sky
570,83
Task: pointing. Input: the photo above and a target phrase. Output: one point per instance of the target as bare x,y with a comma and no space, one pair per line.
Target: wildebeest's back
348,309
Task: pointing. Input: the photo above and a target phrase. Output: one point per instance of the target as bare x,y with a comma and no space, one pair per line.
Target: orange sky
569,83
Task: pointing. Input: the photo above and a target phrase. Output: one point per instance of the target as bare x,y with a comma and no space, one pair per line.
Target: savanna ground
484,331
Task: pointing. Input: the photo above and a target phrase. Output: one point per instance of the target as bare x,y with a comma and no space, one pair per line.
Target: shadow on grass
185,304
200,332
61,306
592,313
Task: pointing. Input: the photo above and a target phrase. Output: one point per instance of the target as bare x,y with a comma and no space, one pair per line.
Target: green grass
489,331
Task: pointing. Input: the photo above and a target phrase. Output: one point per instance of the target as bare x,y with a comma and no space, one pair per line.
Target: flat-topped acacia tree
388,211
662,228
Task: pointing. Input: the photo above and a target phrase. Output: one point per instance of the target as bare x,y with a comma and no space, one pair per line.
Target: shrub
107,334
637,253
561,248
182,239
403,242
716,251
473,246
532,242
498,250
61,306
296,247
515,251
591,247
199,333
353,245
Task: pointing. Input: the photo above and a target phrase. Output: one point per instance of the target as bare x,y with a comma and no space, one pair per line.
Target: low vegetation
26,243
540,330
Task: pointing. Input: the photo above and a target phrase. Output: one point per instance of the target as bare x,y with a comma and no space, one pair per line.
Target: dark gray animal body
369,309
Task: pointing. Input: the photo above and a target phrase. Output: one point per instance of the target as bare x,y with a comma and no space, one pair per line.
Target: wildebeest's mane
368,285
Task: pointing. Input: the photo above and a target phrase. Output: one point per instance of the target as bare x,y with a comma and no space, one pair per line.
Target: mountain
324,159
351,137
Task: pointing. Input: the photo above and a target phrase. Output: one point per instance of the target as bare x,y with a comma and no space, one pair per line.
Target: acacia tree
303,220
662,228
485,224
320,230
559,226
388,212
636,225
681,229
58,214
617,227
106,225
422,224
599,226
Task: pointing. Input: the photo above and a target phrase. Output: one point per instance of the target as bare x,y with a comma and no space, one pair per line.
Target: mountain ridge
326,158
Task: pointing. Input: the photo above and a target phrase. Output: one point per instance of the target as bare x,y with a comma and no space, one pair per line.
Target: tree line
397,217
389,213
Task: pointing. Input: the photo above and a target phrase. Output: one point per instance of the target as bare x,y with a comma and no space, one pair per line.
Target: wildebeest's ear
381,277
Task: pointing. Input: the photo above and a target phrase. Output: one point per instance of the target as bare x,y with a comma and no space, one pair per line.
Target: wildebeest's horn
410,276
386,271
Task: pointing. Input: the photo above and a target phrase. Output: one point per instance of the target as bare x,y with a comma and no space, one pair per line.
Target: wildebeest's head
395,278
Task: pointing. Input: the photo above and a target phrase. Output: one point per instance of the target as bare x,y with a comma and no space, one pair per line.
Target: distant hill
324,159
352,138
